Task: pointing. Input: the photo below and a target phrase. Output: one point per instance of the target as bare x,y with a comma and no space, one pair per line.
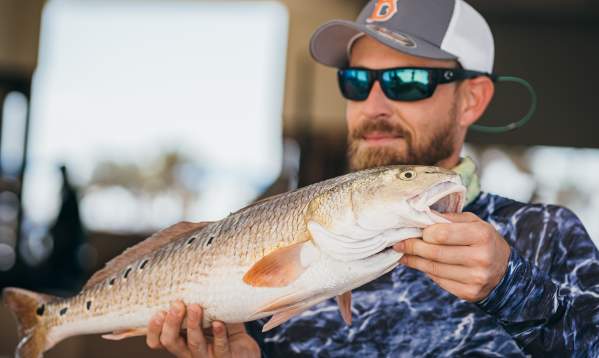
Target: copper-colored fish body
276,257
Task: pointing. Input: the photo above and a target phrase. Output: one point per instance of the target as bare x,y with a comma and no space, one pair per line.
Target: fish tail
28,308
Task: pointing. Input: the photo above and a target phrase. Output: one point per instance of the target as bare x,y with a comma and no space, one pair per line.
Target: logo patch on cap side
401,39
383,10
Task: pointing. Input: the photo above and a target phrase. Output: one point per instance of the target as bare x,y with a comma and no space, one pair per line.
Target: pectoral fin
125,333
282,266
344,302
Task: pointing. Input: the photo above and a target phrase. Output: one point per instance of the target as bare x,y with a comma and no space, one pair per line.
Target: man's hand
467,257
164,332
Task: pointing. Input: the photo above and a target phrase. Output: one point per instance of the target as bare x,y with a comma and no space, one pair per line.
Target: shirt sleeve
553,310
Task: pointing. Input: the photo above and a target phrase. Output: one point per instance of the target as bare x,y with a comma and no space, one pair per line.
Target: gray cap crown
436,29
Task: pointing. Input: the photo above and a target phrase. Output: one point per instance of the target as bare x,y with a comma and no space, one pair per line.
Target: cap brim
329,43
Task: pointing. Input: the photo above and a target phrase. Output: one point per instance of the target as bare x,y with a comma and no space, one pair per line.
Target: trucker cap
436,29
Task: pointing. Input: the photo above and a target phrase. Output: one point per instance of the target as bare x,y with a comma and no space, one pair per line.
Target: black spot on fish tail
63,311
190,241
26,306
210,241
88,305
111,282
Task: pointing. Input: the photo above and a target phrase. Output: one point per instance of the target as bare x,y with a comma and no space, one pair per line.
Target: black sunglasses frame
437,76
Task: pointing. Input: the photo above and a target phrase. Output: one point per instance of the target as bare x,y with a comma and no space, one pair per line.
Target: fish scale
262,260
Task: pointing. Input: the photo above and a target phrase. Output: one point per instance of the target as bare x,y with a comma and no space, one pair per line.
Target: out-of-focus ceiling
586,8
543,5
538,8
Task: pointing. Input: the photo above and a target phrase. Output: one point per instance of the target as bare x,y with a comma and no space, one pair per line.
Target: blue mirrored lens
407,84
355,84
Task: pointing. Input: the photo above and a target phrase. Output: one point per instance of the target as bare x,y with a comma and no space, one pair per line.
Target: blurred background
121,117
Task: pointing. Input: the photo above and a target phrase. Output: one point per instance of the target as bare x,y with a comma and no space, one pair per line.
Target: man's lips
380,137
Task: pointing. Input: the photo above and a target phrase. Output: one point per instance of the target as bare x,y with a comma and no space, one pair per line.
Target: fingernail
195,310
399,246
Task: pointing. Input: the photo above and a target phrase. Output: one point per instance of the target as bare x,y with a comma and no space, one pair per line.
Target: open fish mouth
449,200
444,197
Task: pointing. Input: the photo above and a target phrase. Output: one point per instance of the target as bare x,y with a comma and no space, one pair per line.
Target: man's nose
377,104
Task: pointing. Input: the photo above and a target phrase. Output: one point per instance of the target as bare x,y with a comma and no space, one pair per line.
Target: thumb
460,217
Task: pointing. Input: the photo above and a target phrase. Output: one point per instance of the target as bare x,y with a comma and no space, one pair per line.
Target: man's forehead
368,52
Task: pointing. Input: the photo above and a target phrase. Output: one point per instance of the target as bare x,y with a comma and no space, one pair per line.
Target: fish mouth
441,198
450,201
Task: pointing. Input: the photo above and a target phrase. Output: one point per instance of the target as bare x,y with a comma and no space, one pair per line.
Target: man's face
386,132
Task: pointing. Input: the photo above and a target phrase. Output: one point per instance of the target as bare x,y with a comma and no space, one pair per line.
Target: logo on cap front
383,10
401,39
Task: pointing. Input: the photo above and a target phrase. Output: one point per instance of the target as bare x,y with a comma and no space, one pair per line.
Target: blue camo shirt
547,304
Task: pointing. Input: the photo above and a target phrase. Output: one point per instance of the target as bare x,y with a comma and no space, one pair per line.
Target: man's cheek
352,114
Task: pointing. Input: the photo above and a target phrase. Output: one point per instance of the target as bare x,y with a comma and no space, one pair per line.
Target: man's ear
475,96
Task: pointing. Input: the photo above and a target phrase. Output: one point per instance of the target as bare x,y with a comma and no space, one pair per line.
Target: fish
276,257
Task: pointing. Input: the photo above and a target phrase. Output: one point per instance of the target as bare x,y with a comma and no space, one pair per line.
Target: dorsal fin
261,201
144,248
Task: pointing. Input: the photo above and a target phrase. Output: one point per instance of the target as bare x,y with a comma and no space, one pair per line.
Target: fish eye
407,175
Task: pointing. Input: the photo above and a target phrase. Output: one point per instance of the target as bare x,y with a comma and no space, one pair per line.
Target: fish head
383,207
406,197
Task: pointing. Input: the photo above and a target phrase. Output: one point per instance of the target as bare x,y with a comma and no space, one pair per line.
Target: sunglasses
399,84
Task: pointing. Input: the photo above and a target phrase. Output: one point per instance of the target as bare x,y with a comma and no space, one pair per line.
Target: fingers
450,272
463,291
196,341
441,253
235,328
465,217
221,340
453,233
154,330
171,337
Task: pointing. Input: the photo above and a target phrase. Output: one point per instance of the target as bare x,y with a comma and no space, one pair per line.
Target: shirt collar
468,173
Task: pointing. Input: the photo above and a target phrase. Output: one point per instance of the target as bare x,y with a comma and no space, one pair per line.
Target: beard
438,146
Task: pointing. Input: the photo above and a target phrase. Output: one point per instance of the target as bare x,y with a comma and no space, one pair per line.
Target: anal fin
125,333
344,302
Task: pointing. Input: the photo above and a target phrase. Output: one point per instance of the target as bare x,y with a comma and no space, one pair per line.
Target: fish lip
456,192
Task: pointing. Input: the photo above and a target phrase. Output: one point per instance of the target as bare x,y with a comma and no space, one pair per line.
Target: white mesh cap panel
470,39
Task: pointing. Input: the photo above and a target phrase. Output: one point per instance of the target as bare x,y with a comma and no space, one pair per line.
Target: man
503,279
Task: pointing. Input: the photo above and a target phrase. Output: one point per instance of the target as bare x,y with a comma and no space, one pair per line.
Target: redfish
277,257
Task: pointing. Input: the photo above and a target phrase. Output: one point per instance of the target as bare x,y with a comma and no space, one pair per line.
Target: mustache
377,125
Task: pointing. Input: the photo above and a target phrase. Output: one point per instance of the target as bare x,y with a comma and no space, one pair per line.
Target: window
161,111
